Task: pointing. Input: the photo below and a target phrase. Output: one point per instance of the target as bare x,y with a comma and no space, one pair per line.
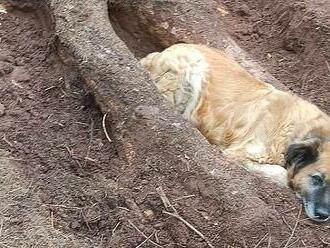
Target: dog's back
250,120
247,118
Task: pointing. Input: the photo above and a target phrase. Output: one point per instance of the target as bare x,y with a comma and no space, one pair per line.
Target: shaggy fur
251,121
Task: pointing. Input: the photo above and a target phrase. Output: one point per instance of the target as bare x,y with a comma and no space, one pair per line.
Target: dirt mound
63,184
289,38
52,128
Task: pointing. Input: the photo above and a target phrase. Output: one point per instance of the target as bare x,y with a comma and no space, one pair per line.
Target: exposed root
147,237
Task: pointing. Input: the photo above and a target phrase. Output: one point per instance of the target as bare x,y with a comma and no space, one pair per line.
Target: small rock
222,11
164,25
144,182
159,225
149,214
176,124
243,10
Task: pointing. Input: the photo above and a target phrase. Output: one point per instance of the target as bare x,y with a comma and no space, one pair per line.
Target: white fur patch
275,172
194,77
255,148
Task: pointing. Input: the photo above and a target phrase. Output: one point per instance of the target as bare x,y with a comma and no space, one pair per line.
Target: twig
115,228
7,141
66,94
146,240
287,223
280,17
104,127
1,227
122,208
294,229
69,151
325,242
51,87
262,239
184,197
269,241
137,229
85,220
328,65
52,219
49,116
90,159
294,242
305,219
101,242
156,237
168,205
74,158
81,123
17,84
190,226
62,206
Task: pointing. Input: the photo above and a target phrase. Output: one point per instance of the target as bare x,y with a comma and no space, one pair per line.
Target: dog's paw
275,172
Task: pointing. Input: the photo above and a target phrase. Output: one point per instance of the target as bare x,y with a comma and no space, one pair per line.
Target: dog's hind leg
179,72
275,172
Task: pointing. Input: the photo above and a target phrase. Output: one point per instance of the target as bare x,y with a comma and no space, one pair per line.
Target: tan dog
251,121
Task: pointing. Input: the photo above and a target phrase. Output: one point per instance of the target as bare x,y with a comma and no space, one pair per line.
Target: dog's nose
322,214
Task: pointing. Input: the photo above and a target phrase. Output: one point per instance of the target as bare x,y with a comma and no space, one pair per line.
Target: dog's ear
301,154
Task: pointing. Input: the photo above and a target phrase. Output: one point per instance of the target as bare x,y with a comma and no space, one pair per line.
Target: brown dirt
64,185
291,39
52,127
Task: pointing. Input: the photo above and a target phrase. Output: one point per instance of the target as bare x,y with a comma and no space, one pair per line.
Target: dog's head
308,164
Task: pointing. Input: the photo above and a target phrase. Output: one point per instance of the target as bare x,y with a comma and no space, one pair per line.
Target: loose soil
291,39
61,178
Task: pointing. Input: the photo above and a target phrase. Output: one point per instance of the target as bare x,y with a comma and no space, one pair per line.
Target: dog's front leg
275,172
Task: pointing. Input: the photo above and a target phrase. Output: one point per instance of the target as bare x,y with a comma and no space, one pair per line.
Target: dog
272,132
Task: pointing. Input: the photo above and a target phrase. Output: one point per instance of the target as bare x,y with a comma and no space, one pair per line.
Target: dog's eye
317,180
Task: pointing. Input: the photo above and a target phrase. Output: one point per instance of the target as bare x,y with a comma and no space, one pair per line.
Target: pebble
149,214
